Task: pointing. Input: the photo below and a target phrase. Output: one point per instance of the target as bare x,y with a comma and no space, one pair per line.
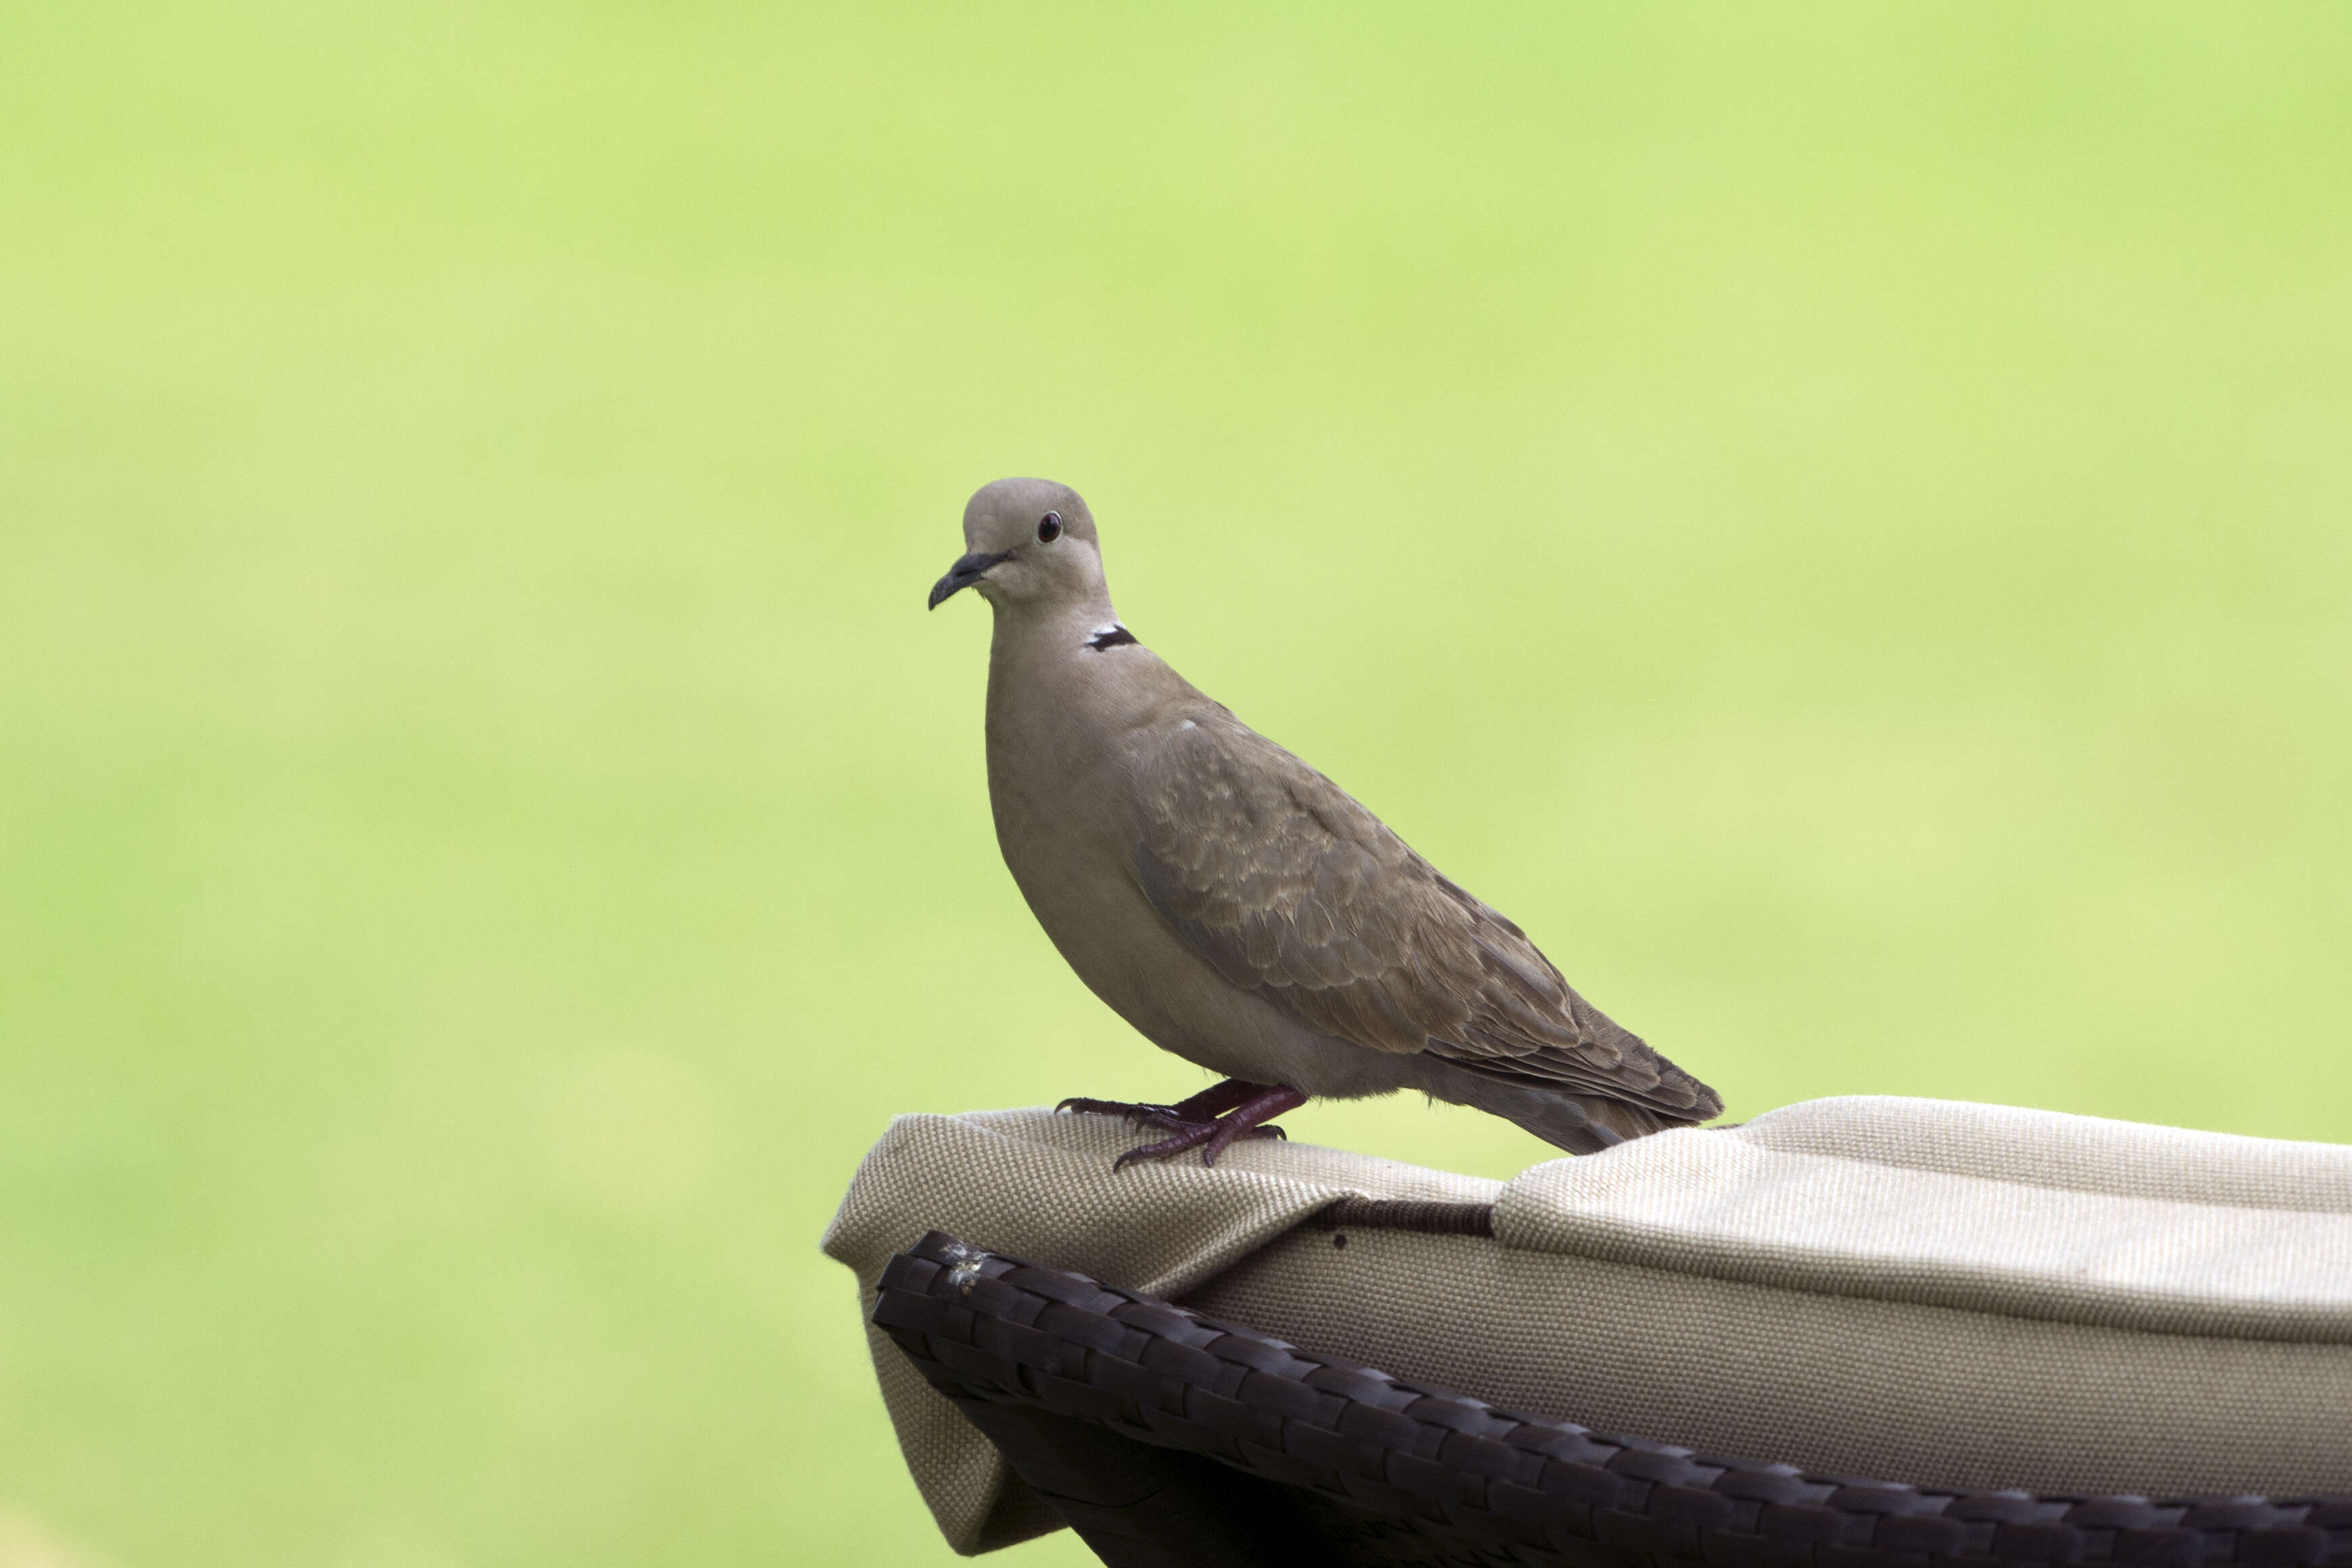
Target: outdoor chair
1857,1333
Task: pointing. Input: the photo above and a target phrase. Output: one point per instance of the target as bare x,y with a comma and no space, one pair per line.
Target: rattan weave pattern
1415,1474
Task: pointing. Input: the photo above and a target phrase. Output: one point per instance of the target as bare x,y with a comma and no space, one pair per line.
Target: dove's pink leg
1247,1119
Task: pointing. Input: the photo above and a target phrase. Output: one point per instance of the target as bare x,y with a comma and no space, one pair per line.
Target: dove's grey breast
1071,726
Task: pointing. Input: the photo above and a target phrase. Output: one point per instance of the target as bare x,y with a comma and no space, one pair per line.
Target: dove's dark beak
963,574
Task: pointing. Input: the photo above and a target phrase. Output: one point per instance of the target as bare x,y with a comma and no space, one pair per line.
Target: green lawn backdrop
1838,518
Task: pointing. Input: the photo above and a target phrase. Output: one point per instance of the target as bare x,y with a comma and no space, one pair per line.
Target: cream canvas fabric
1920,1290
1040,1186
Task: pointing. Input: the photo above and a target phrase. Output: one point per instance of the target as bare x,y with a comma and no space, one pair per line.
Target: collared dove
1241,909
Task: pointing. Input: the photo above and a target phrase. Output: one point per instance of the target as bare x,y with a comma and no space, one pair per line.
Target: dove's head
1028,543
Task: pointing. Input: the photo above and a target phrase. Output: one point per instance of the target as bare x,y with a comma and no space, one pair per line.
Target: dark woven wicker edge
1012,1343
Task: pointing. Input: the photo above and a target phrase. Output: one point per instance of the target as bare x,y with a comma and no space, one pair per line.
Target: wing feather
1295,891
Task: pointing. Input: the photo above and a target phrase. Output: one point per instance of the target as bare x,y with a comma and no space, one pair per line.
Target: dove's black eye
1049,528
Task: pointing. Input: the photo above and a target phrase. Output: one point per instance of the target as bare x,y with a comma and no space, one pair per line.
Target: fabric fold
1987,1208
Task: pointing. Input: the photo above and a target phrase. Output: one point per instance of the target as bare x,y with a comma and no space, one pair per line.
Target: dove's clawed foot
1164,1117
1212,1120
1202,1109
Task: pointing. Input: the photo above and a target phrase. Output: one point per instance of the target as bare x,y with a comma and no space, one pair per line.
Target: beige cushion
1918,1291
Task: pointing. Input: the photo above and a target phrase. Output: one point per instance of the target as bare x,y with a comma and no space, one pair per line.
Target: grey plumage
1239,909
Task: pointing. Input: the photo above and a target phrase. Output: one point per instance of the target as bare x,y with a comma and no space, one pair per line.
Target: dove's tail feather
1579,1123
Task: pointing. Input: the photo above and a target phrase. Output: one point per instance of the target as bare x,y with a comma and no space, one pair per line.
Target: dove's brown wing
1276,876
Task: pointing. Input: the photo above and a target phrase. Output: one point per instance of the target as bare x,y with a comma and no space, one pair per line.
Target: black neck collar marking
1112,636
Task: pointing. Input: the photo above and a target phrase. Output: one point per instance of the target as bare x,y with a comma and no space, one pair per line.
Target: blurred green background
1838,519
